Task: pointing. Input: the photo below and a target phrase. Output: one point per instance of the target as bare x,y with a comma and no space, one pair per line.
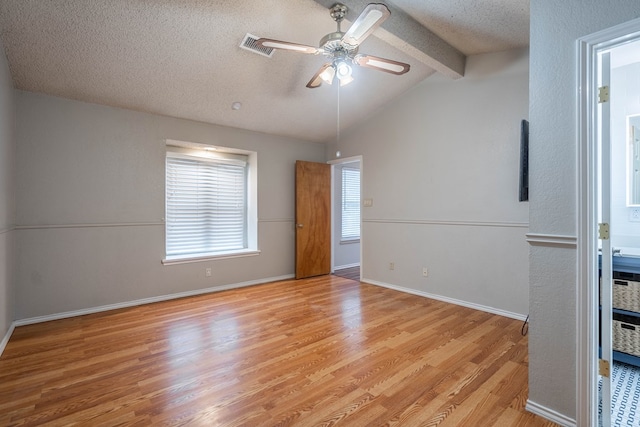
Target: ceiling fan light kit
327,74
342,48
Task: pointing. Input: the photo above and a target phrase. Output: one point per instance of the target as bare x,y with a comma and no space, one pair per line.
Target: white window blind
350,204
206,209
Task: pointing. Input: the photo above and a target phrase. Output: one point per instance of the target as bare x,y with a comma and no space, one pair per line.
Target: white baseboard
340,267
92,310
5,340
550,414
492,310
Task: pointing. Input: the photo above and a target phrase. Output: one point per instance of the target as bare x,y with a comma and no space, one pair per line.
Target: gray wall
90,206
555,27
7,209
441,165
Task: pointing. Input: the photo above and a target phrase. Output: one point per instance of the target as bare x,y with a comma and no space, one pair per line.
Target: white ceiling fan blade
295,47
371,17
324,74
382,64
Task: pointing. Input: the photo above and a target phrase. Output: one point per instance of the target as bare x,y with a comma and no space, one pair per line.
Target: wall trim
340,267
6,338
447,222
487,309
550,414
111,224
6,230
126,304
97,225
344,160
539,239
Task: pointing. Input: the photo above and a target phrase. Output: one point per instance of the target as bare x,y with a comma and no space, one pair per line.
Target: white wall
555,27
90,205
344,254
7,207
441,164
625,102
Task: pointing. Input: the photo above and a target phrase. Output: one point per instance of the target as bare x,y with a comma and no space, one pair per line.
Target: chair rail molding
553,240
448,222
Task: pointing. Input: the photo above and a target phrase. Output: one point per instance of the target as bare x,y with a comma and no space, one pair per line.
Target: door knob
299,225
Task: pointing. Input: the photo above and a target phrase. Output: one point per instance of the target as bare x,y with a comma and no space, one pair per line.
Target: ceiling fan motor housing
332,42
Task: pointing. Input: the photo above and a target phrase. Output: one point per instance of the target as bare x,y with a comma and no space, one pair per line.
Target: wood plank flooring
352,273
317,352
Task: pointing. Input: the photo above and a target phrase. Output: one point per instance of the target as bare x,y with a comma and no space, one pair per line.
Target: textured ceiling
182,58
473,26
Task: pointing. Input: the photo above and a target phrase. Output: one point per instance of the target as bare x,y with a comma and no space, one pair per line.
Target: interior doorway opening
346,229
606,174
623,198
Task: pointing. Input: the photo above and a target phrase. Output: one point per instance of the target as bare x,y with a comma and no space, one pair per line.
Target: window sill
212,257
349,242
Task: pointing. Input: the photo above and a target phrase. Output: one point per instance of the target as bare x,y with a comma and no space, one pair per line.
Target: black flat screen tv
524,161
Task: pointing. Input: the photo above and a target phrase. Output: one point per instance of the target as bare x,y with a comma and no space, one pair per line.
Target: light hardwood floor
317,352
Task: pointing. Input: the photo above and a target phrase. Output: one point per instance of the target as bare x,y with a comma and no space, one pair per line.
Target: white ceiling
181,58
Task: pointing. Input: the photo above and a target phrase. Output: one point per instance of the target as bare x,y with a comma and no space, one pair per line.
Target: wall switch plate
392,266
207,272
634,215
425,271
367,203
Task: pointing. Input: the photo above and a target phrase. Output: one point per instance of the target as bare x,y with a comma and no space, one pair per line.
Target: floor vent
249,43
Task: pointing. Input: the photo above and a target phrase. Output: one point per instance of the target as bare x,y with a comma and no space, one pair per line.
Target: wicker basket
626,334
626,295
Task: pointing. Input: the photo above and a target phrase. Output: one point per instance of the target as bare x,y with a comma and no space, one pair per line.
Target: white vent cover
249,43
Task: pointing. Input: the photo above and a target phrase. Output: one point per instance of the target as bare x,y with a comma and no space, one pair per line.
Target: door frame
588,49
334,163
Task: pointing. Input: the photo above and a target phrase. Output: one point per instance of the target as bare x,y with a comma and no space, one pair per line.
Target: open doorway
624,224
608,322
346,218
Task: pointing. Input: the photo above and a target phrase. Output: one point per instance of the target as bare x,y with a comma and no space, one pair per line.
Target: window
206,205
350,204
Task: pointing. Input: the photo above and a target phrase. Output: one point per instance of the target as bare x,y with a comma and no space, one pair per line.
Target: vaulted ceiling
182,58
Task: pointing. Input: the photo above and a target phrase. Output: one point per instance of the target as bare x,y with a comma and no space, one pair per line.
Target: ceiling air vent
249,43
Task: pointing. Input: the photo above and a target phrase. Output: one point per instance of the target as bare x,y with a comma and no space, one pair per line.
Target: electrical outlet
425,271
392,266
634,215
207,272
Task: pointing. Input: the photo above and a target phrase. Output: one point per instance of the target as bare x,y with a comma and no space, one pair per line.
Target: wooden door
313,219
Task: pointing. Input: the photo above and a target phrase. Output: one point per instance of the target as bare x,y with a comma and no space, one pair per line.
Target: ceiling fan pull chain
338,121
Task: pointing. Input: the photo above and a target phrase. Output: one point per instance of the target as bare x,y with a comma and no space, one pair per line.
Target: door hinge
604,369
603,94
603,231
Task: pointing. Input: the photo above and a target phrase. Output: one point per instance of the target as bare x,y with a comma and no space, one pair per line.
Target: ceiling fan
342,48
